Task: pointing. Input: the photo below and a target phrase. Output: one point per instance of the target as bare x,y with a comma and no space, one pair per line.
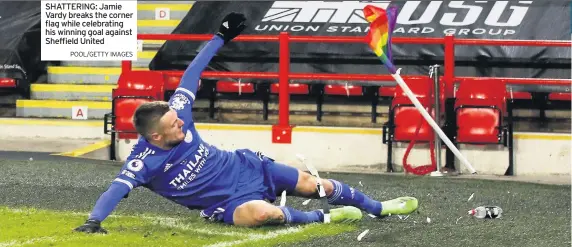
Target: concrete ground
48,145
554,179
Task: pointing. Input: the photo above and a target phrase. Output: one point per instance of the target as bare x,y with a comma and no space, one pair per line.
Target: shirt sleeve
108,201
134,173
184,96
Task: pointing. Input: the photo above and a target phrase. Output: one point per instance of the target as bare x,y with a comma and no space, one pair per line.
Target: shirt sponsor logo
190,170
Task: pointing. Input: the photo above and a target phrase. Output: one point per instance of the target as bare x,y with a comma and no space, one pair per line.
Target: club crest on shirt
179,101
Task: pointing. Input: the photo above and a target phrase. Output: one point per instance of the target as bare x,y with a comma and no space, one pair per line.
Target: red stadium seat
482,93
293,88
387,91
518,95
142,80
125,104
560,96
349,90
478,125
234,87
7,83
172,82
480,107
406,117
133,89
335,91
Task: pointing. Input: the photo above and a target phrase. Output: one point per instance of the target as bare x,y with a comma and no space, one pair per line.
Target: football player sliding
234,187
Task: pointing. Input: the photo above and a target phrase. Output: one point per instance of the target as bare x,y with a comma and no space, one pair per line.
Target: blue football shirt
194,173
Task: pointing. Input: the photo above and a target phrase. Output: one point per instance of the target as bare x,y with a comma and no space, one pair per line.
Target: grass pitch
42,201
29,226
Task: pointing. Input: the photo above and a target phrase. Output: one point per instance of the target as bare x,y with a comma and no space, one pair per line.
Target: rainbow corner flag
382,23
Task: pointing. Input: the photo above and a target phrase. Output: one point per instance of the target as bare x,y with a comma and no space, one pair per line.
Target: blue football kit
202,177
194,173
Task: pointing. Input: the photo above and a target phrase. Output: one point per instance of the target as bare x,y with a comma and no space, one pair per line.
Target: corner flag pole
382,22
430,120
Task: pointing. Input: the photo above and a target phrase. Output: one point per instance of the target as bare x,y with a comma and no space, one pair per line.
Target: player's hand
232,25
91,226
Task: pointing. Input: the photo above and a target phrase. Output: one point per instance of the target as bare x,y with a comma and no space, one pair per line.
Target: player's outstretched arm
231,26
103,207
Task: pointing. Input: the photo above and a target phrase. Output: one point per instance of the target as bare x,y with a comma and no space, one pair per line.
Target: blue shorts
260,179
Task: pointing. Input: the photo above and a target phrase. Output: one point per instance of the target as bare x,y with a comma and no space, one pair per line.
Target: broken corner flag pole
382,23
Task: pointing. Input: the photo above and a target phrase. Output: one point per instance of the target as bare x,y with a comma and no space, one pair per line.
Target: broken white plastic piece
306,202
320,187
436,174
361,235
471,197
283,199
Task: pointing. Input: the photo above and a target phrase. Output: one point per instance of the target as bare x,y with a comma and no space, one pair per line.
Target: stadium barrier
468,103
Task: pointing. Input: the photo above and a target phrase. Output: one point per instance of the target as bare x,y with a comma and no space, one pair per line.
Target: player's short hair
147,116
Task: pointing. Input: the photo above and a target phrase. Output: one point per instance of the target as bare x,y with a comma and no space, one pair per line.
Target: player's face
171,129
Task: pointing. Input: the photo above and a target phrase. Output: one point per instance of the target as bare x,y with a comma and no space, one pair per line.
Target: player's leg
259,212
344,194
300,183
248,207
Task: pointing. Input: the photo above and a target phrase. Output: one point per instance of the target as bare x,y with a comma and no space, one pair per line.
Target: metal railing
284,75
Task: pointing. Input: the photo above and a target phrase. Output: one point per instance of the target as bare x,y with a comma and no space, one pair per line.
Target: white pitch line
257,237
175,223
30,241
44,239
6,244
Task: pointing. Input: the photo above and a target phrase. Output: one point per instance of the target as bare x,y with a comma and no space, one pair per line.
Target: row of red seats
476,125
349,90
151,85
481,116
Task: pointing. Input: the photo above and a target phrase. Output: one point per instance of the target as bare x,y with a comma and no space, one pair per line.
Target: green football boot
399,206
345,214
